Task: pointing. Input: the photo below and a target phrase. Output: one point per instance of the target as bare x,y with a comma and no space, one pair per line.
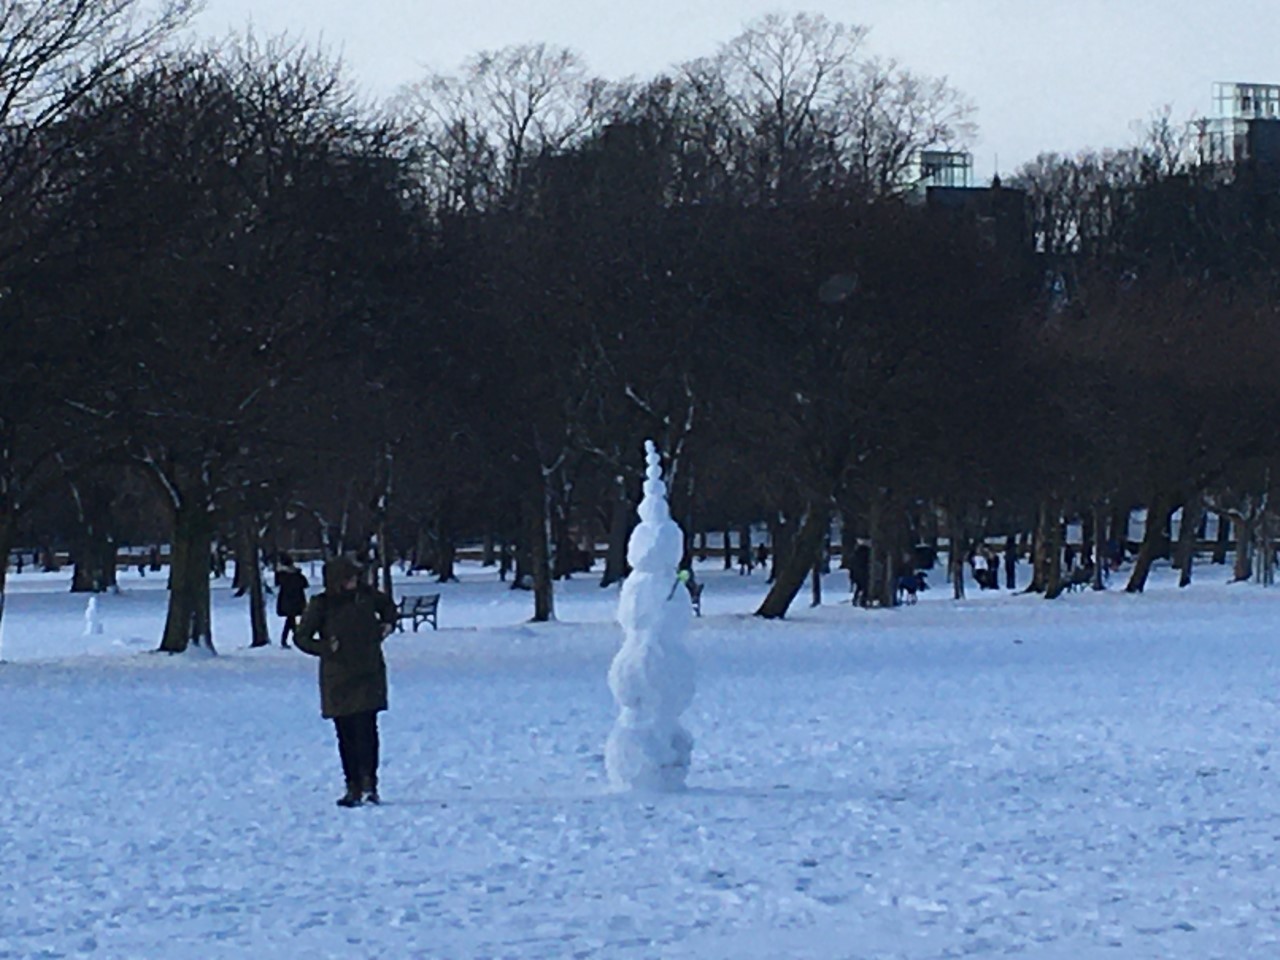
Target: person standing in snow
860,573
762,556
344,626
993,567
291,596
1010,562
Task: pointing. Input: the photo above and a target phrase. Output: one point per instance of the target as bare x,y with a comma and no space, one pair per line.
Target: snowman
652,675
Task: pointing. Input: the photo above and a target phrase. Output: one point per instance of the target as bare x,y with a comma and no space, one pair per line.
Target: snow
1001,775
652,675
92,622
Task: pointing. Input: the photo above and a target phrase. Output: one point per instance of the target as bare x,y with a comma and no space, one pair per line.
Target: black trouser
290,626
358,748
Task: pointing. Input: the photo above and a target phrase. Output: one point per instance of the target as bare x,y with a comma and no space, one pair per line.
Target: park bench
418,609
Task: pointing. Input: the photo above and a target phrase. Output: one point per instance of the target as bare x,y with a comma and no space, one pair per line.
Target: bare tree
238,211
1080,205
458,156
53,53
782,77
791,107
480,128
886,115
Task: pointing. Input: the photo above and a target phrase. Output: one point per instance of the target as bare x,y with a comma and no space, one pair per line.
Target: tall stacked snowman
652,676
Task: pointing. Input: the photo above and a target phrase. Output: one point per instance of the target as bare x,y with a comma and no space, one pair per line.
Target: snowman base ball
648,758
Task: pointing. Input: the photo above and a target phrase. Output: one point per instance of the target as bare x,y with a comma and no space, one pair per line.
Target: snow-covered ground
1085,778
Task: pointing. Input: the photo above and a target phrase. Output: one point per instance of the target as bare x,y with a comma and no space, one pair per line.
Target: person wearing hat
344,626
291,596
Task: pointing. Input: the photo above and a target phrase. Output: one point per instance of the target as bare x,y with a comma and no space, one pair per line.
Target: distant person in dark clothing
291,596
762,556
1068,557
923,556
983,564
1010,562
344,626
860,573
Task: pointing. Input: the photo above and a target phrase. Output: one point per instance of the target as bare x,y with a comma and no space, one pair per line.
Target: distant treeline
240,306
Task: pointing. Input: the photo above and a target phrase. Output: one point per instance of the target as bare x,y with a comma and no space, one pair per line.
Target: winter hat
338,571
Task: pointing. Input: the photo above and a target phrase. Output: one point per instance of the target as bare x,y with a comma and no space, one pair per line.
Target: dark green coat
345,631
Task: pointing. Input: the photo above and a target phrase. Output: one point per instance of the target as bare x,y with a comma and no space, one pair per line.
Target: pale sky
1046,75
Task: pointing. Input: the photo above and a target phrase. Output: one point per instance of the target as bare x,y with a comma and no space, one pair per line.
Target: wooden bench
418,609
695,594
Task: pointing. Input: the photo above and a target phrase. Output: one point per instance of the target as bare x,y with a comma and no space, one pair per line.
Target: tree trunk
1042,541
562,554
929,530
728,549
1192,513
955,562
522,554
424,550
505,552
275,521
188,621
1099,548
1161,506
1053,536
243,549
1243,529
1223,542
791,568
888,537
957,545
1120,527
49,562
384,558
537,522
94,561
782,533
1264,556
816,581
249,574
94,553
874,596
615,559
8,530
446,560
446,552
1164,547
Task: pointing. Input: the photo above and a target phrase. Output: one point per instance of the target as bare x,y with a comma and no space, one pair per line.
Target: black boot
371,789
352,797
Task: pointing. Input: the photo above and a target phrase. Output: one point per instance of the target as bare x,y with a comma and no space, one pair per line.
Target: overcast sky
1046,75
